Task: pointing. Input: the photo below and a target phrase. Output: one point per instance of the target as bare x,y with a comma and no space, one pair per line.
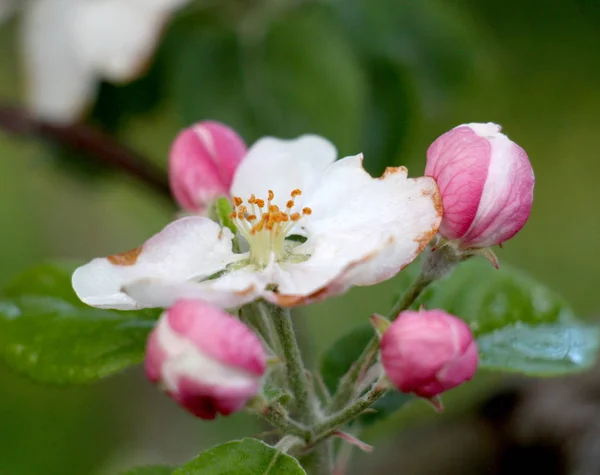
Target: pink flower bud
486,183
202,163
428,352
207,360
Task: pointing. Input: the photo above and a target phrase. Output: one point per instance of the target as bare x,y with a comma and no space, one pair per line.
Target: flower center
265,226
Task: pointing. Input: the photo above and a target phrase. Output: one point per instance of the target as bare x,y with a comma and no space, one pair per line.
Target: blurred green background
385,77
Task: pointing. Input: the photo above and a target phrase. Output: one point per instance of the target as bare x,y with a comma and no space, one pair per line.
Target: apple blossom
202,162
428,352
205,359
70,45
358,230
486,182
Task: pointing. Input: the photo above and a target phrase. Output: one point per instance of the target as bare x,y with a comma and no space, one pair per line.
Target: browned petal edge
389,171
128,258
295,300
424,238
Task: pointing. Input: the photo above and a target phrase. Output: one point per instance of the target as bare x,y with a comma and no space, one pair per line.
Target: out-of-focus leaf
51,336
207,79
388,115
429,38
542,350
489,299
306,78
242,457
520,326
154,470
340,356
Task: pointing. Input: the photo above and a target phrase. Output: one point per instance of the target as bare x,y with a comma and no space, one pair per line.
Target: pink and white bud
428,352
205,359
486,182
202,162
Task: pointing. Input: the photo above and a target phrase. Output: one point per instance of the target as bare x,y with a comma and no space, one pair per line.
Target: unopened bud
428,352
486,182
205,359
202,162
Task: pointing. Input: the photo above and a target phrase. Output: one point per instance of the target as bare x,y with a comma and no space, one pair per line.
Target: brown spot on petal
128,258
424,238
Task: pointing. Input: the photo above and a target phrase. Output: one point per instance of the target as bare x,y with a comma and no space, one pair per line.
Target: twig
90,142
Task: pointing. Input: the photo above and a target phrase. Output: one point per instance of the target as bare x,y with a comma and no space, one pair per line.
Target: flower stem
349,383
280,419
296,372
342,417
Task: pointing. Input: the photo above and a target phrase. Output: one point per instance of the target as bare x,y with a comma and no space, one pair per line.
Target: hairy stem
348,386
296,373
279,419
332,423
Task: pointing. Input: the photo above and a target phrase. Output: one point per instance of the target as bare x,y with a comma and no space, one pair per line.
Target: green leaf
154,470
542,350
47,333
489,299
242,457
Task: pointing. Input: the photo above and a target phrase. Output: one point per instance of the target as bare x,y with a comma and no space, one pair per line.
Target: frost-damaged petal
59,85
362,230
189,248
282,166
117,37
229,291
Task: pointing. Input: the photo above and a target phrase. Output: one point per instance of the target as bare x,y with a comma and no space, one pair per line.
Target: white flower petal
229,291
116,37
362,230
59,85
282,166
189,248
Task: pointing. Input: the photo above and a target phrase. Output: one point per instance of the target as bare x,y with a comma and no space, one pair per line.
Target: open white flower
68,46
358,230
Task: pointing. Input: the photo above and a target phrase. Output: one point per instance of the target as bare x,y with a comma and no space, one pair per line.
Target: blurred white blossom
68,46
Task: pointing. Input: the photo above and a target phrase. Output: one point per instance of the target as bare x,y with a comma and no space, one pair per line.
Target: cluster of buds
210,362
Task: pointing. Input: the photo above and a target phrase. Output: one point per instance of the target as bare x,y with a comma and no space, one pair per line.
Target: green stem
327,427
296,373
318,461
287,426
349,383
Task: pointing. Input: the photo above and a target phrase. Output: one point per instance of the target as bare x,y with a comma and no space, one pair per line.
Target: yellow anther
295,216
296,192
251,217
290,204
252,199
232,215
271,195
237,200
260,203
307,211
